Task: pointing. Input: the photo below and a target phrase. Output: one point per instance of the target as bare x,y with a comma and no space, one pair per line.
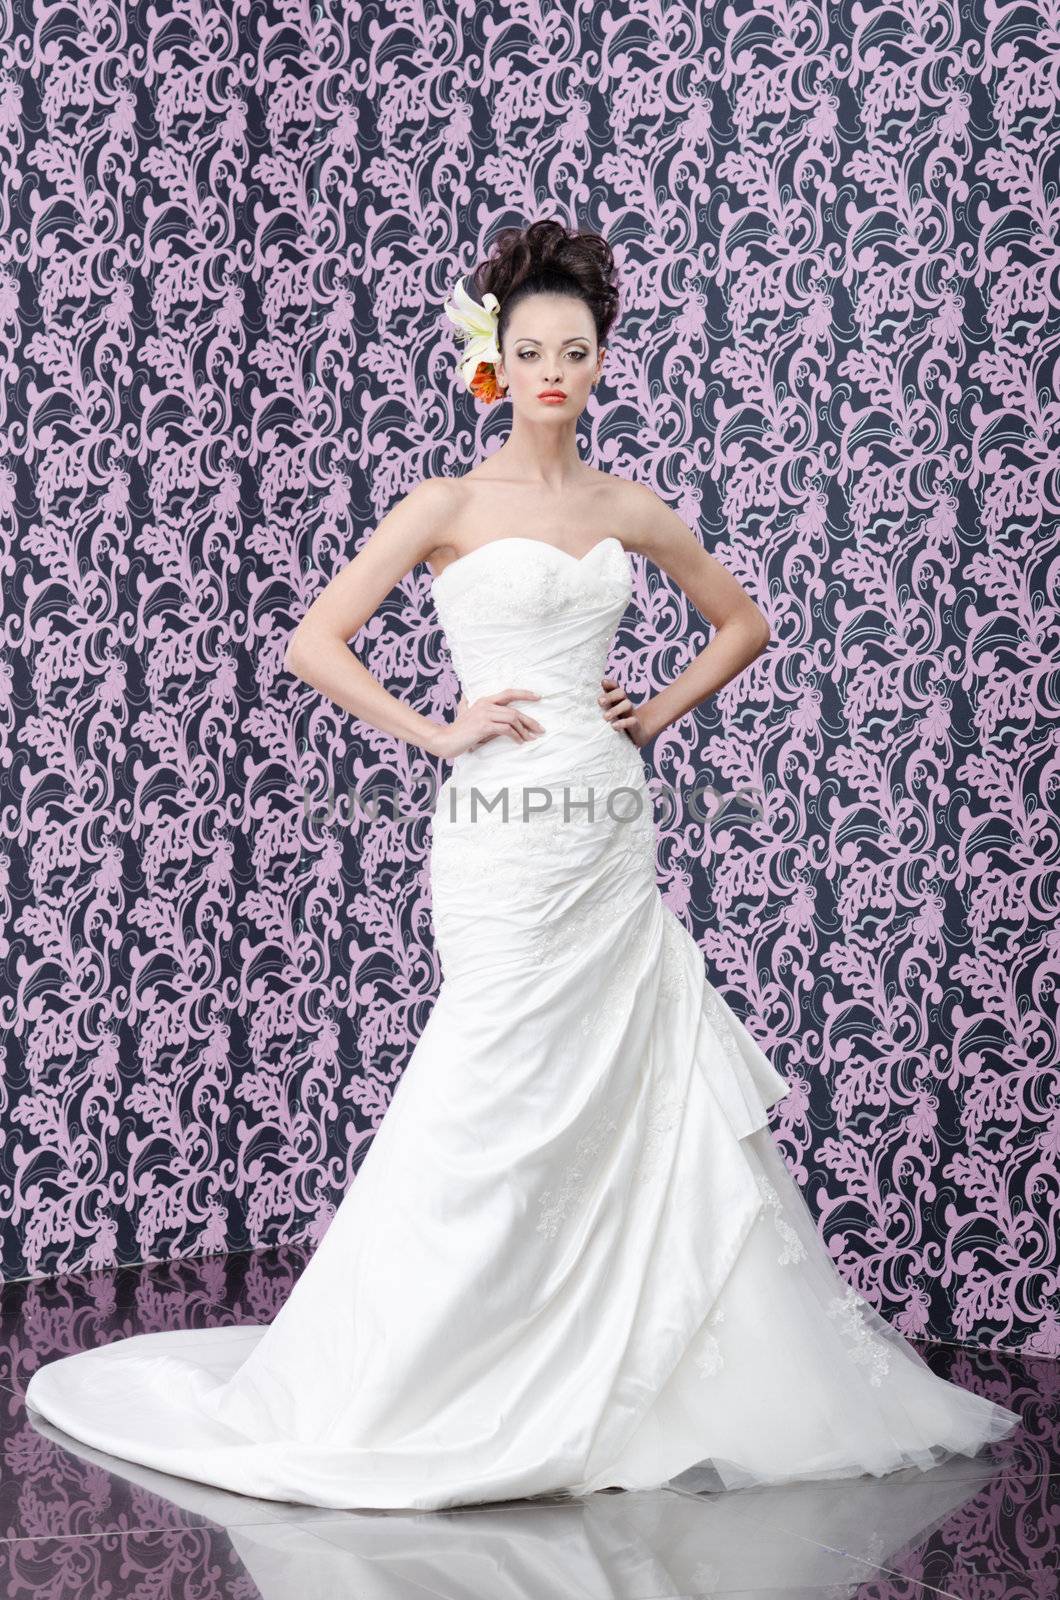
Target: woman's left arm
742,630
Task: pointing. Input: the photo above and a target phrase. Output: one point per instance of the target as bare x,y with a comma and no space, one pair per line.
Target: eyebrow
574,338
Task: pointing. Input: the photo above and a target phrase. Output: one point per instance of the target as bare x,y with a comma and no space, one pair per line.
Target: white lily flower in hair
477,322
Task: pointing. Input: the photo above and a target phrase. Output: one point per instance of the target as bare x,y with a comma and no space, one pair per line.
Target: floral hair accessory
478,325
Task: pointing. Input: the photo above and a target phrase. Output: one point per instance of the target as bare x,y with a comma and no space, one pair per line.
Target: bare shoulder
415,524
418,522
646,524
434,497
427,503
654,529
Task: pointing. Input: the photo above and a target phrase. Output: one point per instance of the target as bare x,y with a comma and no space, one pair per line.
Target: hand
483,719
621,713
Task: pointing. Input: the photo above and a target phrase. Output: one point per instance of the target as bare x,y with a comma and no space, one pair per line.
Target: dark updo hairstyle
545,258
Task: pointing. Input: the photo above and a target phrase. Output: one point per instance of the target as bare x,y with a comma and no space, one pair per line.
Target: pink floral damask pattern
227,235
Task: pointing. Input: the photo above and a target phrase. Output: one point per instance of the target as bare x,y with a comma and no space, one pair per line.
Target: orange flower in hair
484,385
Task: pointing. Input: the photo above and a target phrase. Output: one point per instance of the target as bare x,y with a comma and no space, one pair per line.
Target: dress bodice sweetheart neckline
518,538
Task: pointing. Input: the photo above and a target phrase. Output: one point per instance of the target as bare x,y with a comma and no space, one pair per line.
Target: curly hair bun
548,258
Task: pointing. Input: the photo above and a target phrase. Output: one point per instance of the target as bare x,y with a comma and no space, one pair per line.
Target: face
550,343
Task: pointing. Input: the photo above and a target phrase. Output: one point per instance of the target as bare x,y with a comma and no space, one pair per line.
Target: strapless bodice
520,613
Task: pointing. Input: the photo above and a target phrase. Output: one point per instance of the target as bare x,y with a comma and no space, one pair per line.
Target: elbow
751,626
293,658
762,631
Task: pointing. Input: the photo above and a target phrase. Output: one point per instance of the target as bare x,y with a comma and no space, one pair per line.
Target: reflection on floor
76,1523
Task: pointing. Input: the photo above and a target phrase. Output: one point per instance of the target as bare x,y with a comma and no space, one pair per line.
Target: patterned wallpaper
227,235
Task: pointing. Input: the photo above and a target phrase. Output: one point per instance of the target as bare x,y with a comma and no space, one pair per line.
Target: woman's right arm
318,650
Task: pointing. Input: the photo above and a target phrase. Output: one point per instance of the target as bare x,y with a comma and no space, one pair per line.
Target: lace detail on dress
568,930
518,580
605,1013
537,587
663,1116
794,1249
706,1576
708,1357
507,855
556,1204
867,1349
521,854
673,981
585,662
720,1023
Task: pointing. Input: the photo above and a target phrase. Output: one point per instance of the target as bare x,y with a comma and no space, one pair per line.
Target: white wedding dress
574,1257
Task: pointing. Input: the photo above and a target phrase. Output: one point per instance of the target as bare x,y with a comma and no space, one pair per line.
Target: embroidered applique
793,1247
867,1350
708,1357
515,582
673,979
664,1115
556,1204
719,1021
602,1013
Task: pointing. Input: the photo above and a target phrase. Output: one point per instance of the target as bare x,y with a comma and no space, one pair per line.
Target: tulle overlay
574,1257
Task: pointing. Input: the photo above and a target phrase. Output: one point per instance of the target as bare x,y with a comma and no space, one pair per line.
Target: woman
573,1258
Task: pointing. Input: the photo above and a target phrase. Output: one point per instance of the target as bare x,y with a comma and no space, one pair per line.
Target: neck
544,451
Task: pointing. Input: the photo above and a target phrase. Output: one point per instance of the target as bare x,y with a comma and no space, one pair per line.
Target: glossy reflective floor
76,1523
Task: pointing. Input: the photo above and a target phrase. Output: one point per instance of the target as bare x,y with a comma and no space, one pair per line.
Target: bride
573,1258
